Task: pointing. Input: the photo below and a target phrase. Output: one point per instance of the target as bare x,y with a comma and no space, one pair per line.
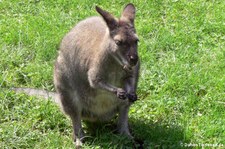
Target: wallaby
97,69
96,72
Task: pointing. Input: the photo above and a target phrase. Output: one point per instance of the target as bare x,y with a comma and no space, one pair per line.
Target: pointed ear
110,20
129,13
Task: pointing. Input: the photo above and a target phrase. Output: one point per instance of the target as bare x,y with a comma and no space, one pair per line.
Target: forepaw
132,97
121,94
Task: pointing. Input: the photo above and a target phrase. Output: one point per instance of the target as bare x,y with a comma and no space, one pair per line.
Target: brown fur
96,72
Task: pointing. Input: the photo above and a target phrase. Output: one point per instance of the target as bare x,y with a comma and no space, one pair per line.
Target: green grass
182,81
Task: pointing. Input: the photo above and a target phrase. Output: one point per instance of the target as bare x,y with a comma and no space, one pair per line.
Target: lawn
182,79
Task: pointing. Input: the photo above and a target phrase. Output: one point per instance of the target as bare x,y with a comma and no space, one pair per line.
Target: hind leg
77,130
122,125
71,106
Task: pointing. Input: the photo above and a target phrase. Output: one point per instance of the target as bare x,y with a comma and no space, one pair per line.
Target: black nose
133,59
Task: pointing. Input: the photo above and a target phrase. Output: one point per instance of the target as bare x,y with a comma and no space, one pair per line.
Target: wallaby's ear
110,20
129,13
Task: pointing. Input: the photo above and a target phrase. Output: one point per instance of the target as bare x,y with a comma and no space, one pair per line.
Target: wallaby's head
123,35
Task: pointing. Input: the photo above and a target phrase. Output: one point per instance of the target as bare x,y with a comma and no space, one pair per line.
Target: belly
101,107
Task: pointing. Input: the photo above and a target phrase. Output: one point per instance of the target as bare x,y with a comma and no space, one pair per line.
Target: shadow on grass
148,134
158,135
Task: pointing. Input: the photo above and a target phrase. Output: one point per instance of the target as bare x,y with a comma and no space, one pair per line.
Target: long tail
37,92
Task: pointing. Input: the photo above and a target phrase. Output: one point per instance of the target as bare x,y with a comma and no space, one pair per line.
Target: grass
182,81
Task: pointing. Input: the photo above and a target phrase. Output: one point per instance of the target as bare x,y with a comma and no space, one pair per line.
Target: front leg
96,82
131,83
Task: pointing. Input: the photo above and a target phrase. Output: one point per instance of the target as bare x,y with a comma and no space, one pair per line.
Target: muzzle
133,59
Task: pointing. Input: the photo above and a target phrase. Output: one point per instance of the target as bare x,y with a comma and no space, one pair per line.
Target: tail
37,92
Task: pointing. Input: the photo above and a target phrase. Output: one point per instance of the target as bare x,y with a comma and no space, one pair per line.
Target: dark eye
118,42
